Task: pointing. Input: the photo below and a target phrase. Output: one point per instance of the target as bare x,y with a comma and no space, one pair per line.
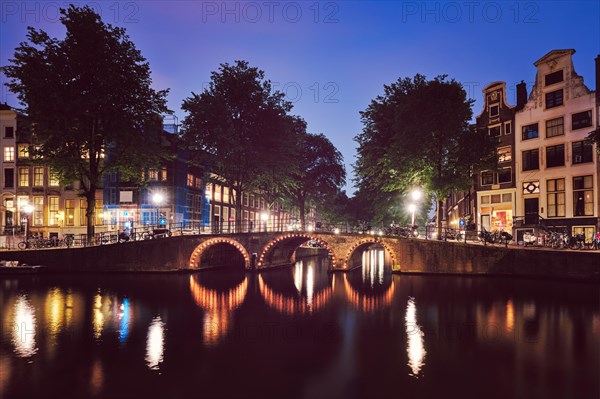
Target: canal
297,332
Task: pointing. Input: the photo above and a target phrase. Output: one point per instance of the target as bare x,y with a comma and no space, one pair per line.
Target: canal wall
439,257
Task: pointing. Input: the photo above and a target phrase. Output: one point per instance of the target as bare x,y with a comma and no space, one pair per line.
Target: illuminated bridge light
367,302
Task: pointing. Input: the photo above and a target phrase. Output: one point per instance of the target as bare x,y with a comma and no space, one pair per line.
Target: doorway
532,210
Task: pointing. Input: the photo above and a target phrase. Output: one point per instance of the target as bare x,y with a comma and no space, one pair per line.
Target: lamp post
157,198
416,194
412,208
265,217
27,209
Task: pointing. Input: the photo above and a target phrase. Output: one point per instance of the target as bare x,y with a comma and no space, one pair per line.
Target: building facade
495,189
556,167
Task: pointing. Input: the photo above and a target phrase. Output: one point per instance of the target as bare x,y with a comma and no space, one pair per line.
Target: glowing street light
416,194
265,218
27,209
412,208
158,199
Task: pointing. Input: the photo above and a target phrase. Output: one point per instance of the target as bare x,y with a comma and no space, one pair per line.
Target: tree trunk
90,196
238,209
439,215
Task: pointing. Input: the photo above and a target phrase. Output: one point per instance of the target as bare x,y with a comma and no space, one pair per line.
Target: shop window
583,196
556,198
555,127
588,232
530,131
582,152
555,156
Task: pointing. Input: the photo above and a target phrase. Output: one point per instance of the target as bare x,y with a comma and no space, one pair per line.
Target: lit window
9,154
583,196
82,212
69,212
163,174
23,177
504,154
153,174
38,211
53,215
53,179
23,150
190,180
38,176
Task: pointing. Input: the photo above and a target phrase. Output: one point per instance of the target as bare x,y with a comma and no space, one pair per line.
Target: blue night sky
333,58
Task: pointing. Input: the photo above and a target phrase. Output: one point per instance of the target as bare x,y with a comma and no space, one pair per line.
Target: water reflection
108,309
373,266
124,319
374,287
218,305
155,343
415,347
311,281
24,326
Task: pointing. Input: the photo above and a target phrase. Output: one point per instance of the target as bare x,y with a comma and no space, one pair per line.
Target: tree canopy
239,128
318,176
417,134
86,96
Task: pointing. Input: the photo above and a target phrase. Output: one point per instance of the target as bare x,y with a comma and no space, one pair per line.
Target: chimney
522,95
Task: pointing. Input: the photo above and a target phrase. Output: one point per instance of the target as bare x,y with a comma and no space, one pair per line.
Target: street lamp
27,209
265,217
416,194
157,198
412,208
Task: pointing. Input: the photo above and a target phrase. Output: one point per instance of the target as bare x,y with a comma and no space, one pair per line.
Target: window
38,176
23,177
556,198
505,175
496,198
583,196
507,197
504,154
38,211
581,120
153,174
246,200
99,213
69,212
190,180
508,128
53,215
554,99
555,127
163,174
9,154
555,156
23,150
582,152
494,111
226,194
531,160
553,78
198,183
209,190
9,132
217,192
53,179
487,178
495,131
9,178
530,131
82,212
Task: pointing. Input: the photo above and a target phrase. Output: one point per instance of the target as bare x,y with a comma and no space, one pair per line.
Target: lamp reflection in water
373,261
155,343
98,316
24,326
218,307
416,344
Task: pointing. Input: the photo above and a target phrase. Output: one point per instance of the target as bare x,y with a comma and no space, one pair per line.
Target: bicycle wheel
22,245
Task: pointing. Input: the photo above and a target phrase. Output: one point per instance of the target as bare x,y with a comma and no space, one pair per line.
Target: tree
238,127
418,134
85,96
594,137
319,173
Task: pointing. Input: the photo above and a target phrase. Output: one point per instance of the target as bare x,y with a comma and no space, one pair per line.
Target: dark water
298,333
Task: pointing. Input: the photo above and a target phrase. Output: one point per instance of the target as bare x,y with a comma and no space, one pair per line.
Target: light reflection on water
304,327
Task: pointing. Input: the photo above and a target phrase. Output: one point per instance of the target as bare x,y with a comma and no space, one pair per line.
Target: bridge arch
363,244
196,257
282,248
